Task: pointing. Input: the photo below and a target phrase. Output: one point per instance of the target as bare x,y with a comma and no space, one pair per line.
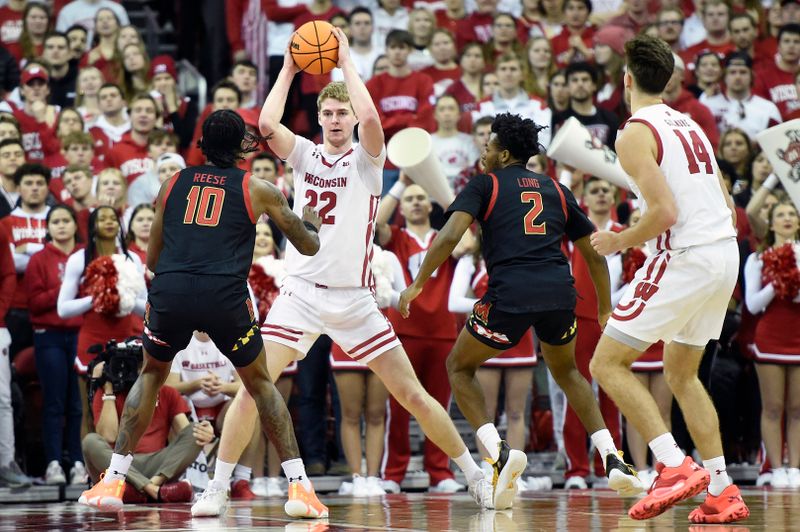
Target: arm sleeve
578,224
69,305
41,298
756,296
458,301
474,199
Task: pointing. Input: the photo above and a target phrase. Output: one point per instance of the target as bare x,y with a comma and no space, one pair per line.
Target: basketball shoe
622,478
212,502
106,496
726,507
304,503
672,485
505,470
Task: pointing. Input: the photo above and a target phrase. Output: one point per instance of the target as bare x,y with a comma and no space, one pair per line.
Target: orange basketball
315,49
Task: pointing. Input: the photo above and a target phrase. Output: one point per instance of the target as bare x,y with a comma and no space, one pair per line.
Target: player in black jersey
523,218
201,248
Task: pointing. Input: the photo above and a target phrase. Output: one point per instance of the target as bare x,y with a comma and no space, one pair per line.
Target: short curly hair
520,136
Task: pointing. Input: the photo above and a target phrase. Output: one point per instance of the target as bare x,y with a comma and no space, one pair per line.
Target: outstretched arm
268,199
441,248
279,137
370,131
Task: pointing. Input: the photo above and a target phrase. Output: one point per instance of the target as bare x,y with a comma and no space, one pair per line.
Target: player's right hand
344,46
311,216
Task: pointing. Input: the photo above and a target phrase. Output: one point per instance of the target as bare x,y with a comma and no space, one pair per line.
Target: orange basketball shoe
303,503
726,507
672,485
106,496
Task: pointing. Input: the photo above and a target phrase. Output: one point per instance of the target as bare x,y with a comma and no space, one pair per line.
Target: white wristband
771,182
107,397
397,190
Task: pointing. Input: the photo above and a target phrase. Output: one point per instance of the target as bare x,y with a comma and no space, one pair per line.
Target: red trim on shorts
631,315
626,306
373,211
279,335
172,181
651,267
367,342
246,192
331,165
493,199
660,154
281,328
563,199
661,269
666,241
373,348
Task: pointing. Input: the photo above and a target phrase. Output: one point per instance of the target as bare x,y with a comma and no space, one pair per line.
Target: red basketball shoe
726,507
672,485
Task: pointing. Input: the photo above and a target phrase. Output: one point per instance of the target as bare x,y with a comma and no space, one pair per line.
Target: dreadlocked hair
225,138
520,136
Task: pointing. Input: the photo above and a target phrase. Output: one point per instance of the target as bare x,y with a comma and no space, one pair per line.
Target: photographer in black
157,461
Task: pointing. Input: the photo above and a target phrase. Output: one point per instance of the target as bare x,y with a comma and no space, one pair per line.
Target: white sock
490,438
295,470
468,466
604,444
118,467
666,450
719,476
241,472
222,474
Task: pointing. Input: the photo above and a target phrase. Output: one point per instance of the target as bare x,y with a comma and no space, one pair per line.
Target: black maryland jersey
524,217
209,224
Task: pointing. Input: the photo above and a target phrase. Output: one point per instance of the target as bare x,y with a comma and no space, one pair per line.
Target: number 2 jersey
209,224
686,157
524,217
345,191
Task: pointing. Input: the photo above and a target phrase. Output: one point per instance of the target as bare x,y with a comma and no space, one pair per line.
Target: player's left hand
606,242
311,216
406,297
344,46
203,433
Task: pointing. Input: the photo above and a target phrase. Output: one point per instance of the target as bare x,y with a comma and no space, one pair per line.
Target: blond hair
336,90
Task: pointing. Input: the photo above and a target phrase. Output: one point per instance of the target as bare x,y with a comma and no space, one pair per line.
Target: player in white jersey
680,294
333,294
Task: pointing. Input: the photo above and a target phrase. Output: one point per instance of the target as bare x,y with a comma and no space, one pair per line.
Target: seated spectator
744,36
511,97
55,344
135,70
36,117
738,107
113,123
505,38
244,75
693,29
178,112
157,461
87,90
421,25
84,13
707,74
12,156
391,15
130,153
715,15
78,182
775,79
683,101
77,148
450,16
104,55
63,72
574,42
11,21
35,25
363,49
224,95
145,188
477,26
540,66
582,87
128,35
78,41
454,149
669,23
609,56
444,71
112,191
481,129
552,19
467,89
557,92
9,128
735,147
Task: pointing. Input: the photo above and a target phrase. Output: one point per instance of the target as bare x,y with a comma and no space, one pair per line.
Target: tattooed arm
268,199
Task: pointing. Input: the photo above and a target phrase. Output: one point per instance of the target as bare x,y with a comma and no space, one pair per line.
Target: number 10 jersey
345,190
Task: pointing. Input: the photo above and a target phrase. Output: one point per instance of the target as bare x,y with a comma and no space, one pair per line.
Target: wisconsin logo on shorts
481,311
244,340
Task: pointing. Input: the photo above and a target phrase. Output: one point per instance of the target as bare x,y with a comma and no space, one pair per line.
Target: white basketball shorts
350,316
678,295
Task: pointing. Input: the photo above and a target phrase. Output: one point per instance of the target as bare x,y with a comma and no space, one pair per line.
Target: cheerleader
361,392
106,288
649,368
772,289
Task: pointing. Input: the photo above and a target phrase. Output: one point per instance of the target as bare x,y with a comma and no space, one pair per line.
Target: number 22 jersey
345,191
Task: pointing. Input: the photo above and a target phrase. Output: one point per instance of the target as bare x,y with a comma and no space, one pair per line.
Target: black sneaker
622,478
507,469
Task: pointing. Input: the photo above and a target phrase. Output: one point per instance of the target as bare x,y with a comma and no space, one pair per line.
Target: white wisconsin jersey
686,158
195,361
345,190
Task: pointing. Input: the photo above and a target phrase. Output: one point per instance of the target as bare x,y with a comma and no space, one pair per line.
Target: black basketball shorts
503,330
219,305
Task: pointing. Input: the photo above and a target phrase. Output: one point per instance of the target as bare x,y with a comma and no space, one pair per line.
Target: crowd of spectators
91,125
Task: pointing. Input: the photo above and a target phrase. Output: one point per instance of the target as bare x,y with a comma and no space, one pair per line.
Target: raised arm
301,233
370,131
279,137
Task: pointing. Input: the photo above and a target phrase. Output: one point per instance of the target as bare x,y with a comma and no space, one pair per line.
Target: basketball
315,49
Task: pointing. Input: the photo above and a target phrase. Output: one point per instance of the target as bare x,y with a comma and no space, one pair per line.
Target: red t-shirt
38,139
10,25
561,46
777,85
130,157
8,277
429,315
467,103
169,404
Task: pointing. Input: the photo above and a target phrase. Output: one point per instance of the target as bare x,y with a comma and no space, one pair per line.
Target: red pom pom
264,288
780,268
632,260
100,282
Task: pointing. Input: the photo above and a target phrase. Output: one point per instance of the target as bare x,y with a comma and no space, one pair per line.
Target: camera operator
157,461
